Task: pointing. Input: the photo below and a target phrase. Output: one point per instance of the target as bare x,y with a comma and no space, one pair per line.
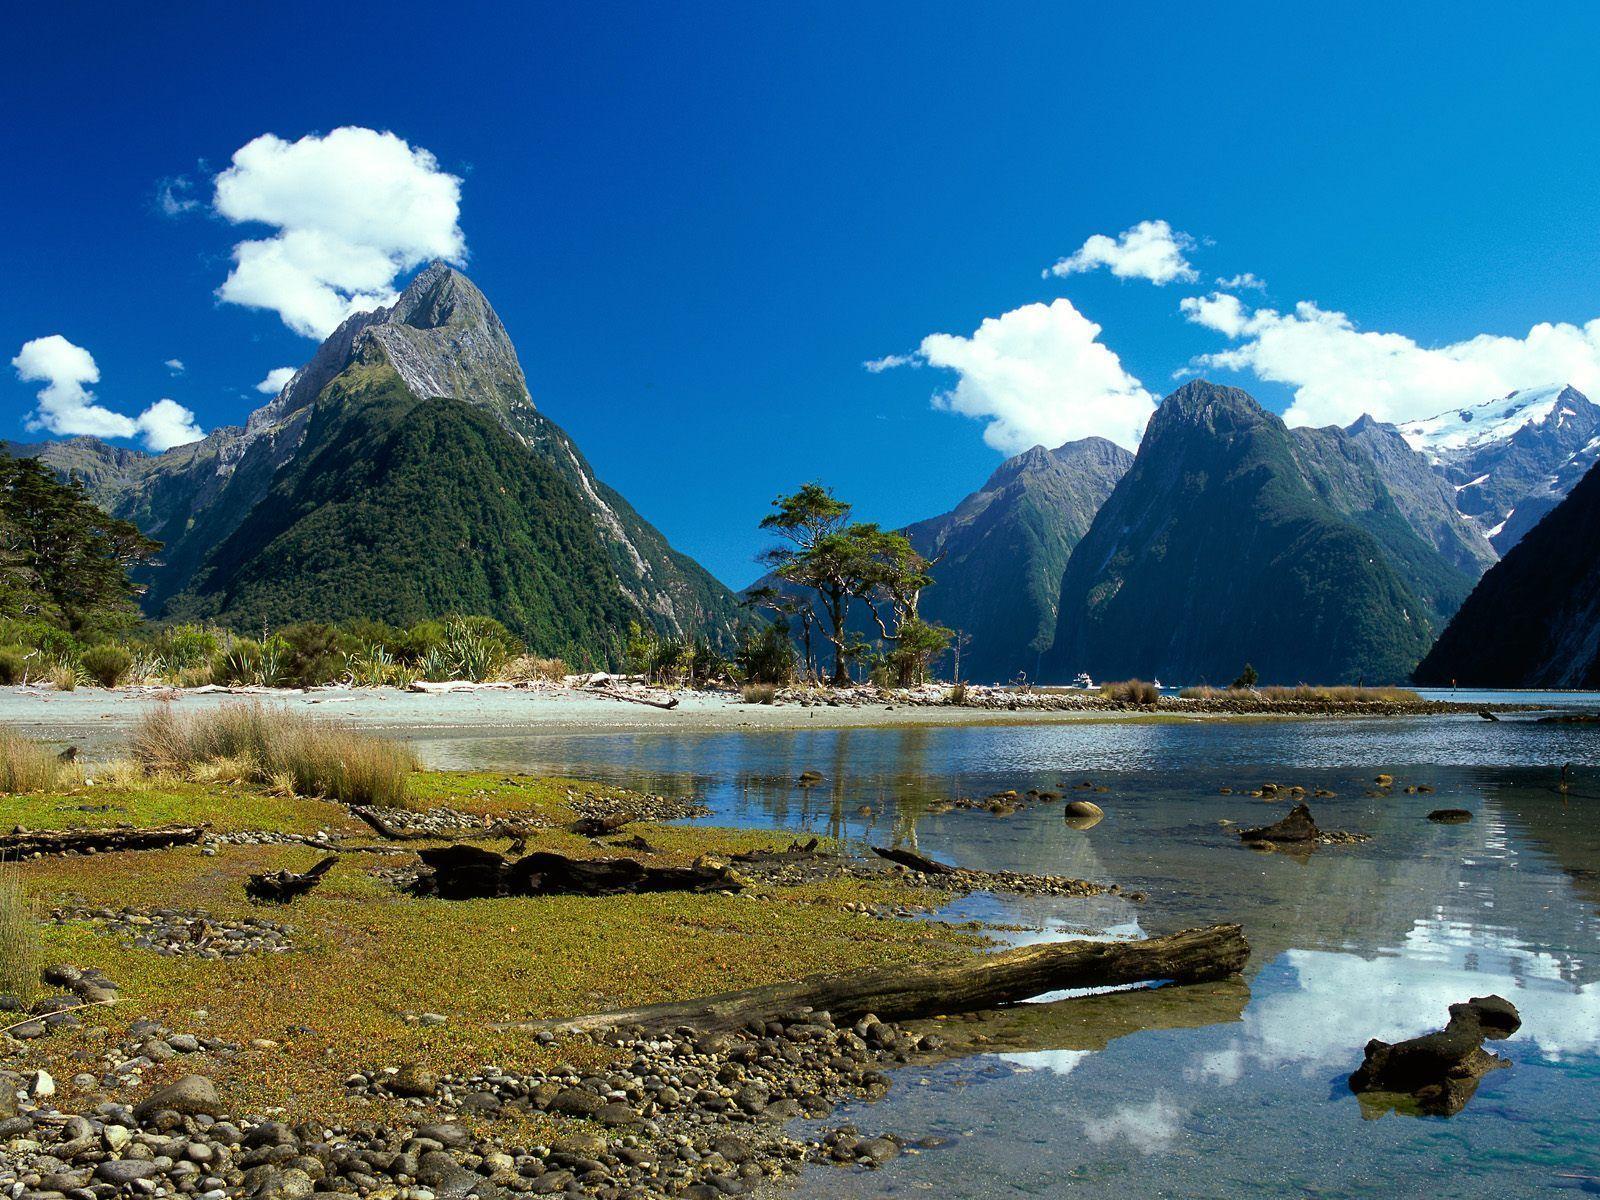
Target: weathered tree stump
283,887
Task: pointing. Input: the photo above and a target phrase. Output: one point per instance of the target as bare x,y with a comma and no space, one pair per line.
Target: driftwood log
281,887
931,989
917,862
593,827
21,843
1436,1073
796,852
668,704
465,872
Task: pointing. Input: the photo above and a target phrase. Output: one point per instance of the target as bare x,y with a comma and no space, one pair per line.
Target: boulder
1297,828
1450,816
191,1096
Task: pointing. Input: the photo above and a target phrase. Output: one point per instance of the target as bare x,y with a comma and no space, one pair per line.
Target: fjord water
1228,1089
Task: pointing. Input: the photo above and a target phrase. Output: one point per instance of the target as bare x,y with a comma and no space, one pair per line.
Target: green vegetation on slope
1214,550
399,509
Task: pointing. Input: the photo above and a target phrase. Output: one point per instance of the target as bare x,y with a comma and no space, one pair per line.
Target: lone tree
840,561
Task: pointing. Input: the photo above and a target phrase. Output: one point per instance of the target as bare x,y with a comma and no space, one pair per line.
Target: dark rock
1297,827
193,1095
1450,816
1438,1072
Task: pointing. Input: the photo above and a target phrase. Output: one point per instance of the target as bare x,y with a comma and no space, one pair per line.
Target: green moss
366,953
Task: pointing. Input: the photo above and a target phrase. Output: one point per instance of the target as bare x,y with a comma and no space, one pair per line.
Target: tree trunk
930,989
22,843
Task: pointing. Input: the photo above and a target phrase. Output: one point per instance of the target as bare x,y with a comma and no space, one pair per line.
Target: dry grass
758,693
1306,694
1346,694
1131,691
19,936
957,694
273,746
64,677
527,667
25,765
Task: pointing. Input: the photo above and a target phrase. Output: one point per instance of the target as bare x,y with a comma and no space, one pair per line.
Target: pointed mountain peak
438,296
1201,404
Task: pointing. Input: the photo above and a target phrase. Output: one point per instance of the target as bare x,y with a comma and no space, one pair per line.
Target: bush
1247,678
527,667
13,665
766,655
758,693
25,765
106,664
315,653
274,745
1131,691
957,694
477,647
184,646
239,663
65,677
19,936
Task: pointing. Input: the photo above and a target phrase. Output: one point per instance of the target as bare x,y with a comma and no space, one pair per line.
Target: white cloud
1245,280
276,378
889,361
1039,375
353,209
67,407
175,365
1151,250
1149,1128
1339,371
175,196
166,424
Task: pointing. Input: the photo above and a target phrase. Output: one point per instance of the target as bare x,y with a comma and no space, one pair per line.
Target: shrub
277,747
106,664
766,655
477,647
1247,678
184,646
19,936
65,677
1131,691
193,677
528,666
315,653
758,693
13,664
957,694
25,765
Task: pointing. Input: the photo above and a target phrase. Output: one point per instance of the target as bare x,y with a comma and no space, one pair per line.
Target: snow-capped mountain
1511,460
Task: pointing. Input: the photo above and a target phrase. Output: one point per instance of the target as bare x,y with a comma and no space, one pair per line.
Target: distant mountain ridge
1003,549
441,340
1233,540
1511,460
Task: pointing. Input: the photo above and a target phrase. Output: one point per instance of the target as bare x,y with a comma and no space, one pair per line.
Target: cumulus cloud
276,378
1151,250
352,209
1038,375
166,424
1149,1128
66,405
175,365
1339,371
1244,281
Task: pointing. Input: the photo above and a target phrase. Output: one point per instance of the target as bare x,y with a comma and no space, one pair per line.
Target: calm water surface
1222,1090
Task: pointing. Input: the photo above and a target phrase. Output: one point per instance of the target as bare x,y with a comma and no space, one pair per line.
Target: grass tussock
957,694
1131,691
19,936
284,750
758,693
1307,694
25,765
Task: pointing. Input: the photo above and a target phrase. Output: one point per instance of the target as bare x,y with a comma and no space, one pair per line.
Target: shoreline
90,714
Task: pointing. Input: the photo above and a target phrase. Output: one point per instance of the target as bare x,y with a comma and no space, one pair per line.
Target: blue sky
698,224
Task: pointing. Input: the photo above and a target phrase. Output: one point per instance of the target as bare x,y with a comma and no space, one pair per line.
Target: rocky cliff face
1534,619
1218,548
442,339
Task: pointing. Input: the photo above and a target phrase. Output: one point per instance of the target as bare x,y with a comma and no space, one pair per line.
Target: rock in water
1450,816
1437,1073
1084,814
1295,829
